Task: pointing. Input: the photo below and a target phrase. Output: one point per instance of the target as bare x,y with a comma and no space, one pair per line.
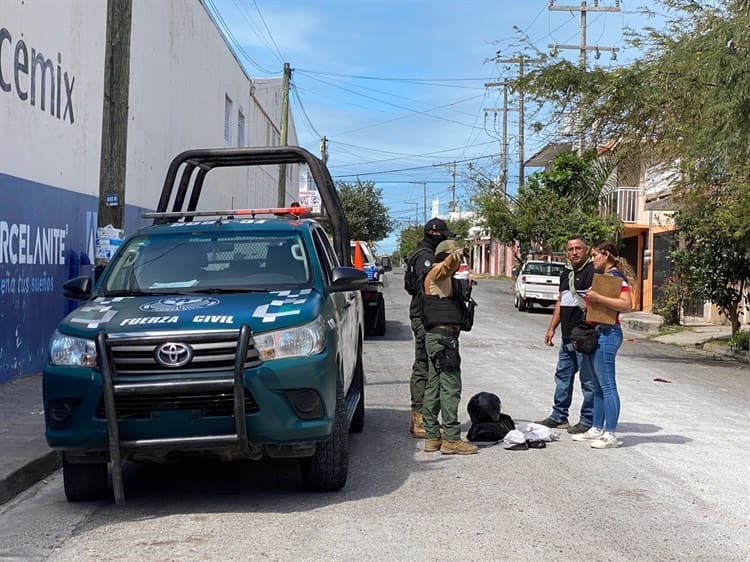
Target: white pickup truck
538,282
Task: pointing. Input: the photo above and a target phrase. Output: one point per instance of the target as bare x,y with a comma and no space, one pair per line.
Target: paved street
675,489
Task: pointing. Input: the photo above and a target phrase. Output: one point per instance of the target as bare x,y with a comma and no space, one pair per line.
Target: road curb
726,351
28,475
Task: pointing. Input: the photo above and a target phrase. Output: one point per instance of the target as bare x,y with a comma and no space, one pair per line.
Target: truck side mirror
78,288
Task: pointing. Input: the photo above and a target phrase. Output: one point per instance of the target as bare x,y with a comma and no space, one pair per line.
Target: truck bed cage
193,165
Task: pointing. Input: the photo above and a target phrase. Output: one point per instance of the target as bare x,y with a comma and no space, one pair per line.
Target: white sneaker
606,441
589,435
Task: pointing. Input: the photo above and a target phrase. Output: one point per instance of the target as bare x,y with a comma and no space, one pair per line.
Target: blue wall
36,221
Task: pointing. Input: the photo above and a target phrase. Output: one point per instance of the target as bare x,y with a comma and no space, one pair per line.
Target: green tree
684,103
411,235
552,205
408,240
364,209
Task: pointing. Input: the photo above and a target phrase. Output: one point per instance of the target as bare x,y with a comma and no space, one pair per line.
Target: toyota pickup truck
224,334
538,282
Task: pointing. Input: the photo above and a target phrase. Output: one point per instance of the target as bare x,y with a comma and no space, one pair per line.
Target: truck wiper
132,293
225,290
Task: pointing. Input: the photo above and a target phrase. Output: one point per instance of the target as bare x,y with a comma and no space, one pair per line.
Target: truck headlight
67,350
291,342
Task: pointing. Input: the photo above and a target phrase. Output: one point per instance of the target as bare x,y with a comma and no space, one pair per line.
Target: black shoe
580,427
554,424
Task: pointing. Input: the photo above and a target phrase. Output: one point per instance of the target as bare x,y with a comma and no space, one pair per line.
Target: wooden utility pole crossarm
583,48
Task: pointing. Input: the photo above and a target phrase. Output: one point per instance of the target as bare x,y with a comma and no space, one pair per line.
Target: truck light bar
277,211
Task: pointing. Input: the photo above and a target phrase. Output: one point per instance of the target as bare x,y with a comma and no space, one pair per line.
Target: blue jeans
570,362
606,398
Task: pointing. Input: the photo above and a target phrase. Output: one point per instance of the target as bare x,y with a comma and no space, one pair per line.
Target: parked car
372,293
538,282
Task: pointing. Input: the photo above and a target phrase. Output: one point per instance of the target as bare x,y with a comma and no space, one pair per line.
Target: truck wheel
521,304
358,419
85,481
327,469
379,327
369,321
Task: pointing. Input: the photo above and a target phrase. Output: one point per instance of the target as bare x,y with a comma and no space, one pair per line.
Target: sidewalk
25,457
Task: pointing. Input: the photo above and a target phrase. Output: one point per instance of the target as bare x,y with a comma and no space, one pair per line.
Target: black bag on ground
585,338
484,407
491,431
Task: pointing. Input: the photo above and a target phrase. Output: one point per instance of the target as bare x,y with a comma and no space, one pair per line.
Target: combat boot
432,445
417,425
457,447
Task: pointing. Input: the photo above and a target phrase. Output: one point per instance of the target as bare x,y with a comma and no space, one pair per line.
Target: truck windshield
201,263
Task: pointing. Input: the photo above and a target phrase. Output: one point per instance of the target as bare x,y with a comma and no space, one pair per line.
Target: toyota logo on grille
173,354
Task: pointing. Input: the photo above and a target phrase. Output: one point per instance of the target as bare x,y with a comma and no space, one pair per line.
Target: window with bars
240,128
227,121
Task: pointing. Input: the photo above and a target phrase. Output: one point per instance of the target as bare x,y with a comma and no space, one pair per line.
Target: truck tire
369,320
327,469
358,419
379,327
520,304
85,481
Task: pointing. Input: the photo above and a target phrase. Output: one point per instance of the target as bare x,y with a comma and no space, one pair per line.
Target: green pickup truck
231,334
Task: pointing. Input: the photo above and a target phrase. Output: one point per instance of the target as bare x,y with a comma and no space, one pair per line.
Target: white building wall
181,71
37,144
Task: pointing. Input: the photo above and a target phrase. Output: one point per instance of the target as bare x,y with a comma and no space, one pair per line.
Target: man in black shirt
568,313
420,260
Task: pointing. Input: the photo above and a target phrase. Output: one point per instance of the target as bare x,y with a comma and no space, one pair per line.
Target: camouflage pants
443,389
419,368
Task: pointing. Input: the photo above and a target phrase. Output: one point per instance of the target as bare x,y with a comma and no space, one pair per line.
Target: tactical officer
442,315
435,231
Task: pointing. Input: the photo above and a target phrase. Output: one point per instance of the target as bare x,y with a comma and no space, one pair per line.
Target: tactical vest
448,310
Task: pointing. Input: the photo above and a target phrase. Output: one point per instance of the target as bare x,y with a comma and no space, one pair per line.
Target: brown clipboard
608,286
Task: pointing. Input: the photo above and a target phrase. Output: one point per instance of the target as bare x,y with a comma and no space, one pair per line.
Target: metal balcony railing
626,202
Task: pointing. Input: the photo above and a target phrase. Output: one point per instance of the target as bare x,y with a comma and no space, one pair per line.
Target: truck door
346,305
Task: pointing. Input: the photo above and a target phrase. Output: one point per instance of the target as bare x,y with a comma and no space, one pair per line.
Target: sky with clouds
398,86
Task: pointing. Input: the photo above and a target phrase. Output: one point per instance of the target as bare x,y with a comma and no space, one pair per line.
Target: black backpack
411,279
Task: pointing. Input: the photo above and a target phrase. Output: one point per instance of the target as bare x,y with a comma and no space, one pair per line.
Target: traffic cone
359,258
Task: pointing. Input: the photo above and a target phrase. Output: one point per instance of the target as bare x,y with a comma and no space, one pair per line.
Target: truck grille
211,353
141,405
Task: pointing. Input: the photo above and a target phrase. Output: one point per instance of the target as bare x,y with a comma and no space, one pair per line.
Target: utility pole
281,199
453,188
521,60
114,143
582,47
424,196
416,210
504,155
324,150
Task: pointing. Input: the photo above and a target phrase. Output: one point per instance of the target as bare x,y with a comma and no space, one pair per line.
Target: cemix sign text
33,75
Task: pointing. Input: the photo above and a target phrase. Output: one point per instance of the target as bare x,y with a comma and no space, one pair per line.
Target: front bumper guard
116,446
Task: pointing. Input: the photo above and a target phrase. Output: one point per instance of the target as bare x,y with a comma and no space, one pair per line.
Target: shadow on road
394,331
643,434
633,440
270,485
